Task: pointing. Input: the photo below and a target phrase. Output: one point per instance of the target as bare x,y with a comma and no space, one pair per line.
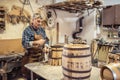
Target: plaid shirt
28,35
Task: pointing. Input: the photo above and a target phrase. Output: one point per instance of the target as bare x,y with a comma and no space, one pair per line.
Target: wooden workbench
49,72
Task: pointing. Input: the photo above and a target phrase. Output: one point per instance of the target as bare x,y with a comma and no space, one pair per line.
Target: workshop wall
15,31
66,22
10,38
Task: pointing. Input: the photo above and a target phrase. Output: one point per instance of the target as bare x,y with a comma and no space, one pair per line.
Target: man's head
36,20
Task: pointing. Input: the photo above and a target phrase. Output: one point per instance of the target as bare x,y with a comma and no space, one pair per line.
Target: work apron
32,55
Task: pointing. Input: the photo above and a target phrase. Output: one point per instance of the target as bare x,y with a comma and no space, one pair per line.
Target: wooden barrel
56,55
111,71
76,62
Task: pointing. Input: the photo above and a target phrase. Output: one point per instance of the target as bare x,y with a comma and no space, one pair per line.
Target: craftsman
34,39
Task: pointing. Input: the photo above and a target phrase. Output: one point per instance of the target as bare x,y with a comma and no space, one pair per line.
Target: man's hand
40,42
46,49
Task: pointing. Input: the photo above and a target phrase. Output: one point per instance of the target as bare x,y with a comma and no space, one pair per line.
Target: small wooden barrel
76,62
111,71
56,55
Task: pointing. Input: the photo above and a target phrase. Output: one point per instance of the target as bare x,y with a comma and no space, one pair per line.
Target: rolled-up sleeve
26,39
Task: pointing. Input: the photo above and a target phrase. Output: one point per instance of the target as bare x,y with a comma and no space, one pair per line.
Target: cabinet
111,15
2,18
117,14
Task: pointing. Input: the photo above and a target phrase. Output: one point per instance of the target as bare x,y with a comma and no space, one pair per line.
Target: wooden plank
10,45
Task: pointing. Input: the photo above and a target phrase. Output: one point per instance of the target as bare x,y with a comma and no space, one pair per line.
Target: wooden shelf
112,30
74,6
2,14
114,37
2,18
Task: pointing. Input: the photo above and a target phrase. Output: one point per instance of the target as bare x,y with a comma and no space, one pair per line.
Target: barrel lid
76,45
58,45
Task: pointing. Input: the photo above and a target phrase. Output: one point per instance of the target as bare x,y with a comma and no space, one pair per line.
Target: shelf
2,18
76,6
114,38
112,30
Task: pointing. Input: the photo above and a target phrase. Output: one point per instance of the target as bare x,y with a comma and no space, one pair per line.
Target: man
34,35
33,40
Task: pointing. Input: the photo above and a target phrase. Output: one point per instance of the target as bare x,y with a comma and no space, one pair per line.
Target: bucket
111,71
56,55
76,62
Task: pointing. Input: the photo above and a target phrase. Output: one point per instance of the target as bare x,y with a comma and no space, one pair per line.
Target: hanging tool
80,28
